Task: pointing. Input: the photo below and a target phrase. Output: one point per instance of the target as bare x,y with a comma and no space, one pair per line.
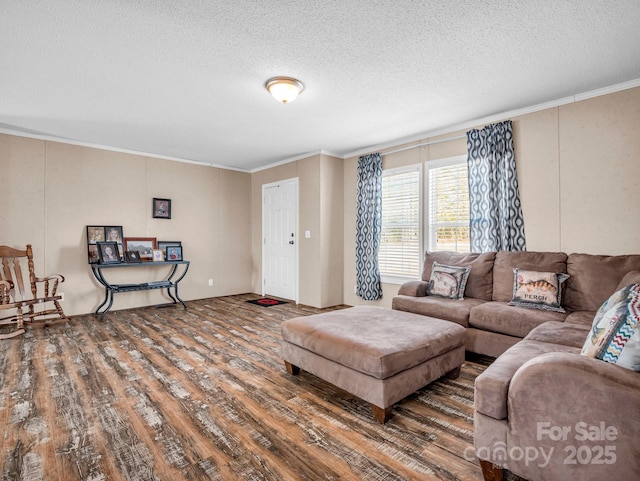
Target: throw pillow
448,281
538,290
615,335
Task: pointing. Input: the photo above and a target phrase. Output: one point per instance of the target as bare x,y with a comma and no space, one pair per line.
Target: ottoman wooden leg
291,369
382,415
453,374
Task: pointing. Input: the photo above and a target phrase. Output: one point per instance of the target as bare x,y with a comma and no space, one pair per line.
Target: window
446,225
400,248
448,198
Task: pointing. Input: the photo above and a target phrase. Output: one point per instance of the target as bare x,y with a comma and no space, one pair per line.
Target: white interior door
280,239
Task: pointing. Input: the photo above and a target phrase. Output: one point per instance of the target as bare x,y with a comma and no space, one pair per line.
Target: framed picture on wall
161,208
144,246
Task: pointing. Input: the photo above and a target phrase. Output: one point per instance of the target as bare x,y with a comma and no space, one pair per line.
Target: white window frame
434,164
396,279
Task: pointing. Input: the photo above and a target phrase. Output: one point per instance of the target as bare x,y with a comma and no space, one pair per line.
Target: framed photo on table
174,253
101,233
108,253
162,245
144,246
95,234
113,233
132,257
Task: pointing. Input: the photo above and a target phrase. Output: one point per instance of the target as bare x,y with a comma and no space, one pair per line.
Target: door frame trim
296,182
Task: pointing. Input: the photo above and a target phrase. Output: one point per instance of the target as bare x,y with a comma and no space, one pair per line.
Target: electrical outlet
61,294
210,282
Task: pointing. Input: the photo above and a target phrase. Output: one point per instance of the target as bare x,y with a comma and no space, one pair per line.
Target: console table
169,283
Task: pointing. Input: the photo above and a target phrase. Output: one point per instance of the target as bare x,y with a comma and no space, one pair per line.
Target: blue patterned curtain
369,227
496,215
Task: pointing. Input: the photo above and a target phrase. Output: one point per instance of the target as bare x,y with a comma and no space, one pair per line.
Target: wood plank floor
202,394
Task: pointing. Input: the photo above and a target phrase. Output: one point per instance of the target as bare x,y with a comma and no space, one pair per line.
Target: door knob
291,242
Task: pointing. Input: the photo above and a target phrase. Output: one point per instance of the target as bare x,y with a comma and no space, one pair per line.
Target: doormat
266,302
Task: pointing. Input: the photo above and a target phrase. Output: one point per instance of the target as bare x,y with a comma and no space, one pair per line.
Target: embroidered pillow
448,281
615,335
538,290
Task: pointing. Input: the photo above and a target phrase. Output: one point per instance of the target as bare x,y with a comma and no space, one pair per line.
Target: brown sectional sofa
492,325
542,411
546,413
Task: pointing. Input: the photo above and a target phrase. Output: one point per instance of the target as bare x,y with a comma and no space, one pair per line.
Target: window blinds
399,253
448,207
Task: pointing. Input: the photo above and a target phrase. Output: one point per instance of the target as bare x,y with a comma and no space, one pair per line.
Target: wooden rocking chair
18,305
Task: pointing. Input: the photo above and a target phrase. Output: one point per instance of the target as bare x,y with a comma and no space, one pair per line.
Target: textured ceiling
185,78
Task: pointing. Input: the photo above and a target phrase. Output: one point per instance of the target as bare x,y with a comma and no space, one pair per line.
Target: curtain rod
448,139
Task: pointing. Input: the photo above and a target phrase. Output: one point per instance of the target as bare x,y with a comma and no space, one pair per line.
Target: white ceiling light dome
284,89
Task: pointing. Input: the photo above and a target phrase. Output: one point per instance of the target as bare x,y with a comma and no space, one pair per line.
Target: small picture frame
95,233
174,253
113,233
144,246
132,257
161,208
162,245
94,257
101,233
108,253
158,255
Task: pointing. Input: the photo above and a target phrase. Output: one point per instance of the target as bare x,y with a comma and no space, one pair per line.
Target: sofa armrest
581,412
413,288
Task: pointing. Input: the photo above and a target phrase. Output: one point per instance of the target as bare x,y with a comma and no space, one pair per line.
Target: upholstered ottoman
379,355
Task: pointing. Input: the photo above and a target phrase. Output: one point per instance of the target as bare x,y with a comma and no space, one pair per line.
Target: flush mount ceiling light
284,89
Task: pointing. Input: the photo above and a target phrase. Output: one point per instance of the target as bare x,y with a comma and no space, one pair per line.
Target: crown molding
495,118
373,148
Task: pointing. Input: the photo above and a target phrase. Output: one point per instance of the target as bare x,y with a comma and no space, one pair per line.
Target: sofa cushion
507,261
492,386
513,321
615,334
447,281
583,318
632,277
480,280
562,333
413,288
448,309
538,290
594,278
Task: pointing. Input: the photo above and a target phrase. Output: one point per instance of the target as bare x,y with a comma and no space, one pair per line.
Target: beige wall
579,176
54,190
578,170
331,230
